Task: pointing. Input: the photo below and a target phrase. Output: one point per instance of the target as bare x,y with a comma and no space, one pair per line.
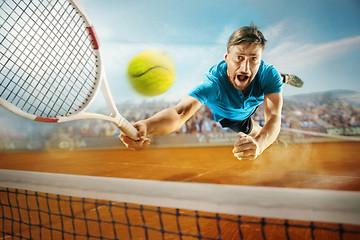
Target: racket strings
36,61
33,58
47,64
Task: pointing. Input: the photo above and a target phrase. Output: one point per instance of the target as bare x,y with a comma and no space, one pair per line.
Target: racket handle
128,129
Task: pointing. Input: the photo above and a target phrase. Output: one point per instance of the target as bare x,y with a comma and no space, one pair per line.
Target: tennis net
37,205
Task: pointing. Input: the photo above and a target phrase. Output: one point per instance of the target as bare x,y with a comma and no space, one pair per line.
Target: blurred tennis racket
50,63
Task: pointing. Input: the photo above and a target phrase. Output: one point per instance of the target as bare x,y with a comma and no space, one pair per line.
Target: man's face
243,63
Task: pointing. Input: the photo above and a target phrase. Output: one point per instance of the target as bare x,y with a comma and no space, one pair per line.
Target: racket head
50,61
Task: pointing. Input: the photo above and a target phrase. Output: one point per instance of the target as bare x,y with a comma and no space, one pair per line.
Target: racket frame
102,83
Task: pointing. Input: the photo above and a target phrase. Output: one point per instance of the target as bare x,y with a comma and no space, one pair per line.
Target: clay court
331,166
317,165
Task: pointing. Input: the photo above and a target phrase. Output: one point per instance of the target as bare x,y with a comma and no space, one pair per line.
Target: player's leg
292,79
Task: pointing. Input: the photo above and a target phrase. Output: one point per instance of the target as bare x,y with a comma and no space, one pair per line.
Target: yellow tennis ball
151,72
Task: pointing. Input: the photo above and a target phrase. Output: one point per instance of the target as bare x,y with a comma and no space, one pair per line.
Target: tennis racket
50,63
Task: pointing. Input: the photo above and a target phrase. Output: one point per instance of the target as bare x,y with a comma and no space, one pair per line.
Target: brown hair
248,34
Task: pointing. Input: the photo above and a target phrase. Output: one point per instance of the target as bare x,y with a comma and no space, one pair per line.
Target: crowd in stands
323,112
316,115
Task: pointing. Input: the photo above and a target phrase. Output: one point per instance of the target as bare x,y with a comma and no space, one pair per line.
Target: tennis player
233,89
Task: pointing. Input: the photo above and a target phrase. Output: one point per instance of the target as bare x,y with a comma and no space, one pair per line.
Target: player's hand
140,144
246,148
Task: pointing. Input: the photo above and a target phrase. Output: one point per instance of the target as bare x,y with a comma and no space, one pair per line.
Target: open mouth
242,78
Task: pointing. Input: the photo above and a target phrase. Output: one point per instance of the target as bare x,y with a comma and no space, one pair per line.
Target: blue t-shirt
225,101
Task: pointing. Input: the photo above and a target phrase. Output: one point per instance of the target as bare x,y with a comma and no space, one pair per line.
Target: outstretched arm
272,112
249,147
163,122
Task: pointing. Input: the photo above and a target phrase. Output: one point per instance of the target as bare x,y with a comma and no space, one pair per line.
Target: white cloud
293,56
225,34
274,31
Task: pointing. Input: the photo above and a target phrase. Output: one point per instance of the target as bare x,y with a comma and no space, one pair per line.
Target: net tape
32,214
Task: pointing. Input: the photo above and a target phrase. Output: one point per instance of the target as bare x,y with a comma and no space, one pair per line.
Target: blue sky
317,40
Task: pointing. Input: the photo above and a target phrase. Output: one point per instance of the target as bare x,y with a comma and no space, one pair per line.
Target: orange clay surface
317,165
